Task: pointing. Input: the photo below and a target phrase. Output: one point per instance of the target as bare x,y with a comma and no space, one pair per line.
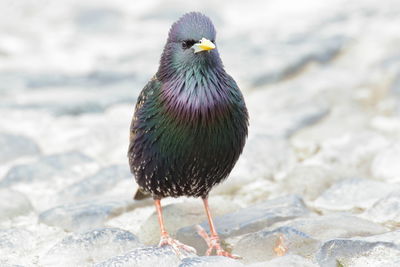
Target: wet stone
4,264
80,249
13,203
353,194
256,165
354,252
353,153
392,237
260,246
335,226
385,164
86,215
15,241
148,256
45,168
15,146
286,261
385,210
309,181
256,161
247,220
210,261
95,185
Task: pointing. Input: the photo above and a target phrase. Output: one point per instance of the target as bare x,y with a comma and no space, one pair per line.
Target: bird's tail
141,194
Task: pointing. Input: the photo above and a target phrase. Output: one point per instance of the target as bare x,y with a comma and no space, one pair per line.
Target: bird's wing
143,97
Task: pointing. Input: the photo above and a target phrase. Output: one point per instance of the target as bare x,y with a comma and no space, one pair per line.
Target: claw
213,242
176,245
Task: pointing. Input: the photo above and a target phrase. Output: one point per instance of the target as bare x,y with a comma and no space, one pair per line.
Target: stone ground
320,170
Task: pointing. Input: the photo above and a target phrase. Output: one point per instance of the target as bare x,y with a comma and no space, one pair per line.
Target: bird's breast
195,103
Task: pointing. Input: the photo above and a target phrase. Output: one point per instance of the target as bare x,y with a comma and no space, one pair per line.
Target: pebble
210,261
262,245
82,249
16,146
15,242
86,215
289,260
385,164
13,203
357,253
46,168
386,210
94,185
147,256
335,225
298,181
353,194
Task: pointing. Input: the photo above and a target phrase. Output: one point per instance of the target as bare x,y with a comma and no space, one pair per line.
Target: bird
189,126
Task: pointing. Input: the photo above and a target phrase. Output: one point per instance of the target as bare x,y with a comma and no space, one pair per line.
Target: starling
190,123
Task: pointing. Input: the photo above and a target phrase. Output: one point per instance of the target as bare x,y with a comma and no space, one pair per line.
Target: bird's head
190,44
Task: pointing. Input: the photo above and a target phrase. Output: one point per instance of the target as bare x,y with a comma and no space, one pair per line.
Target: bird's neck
196,94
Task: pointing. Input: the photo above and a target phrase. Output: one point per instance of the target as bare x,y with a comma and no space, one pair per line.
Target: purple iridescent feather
190,122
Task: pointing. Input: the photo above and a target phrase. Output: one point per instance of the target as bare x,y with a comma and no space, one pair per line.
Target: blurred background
321,80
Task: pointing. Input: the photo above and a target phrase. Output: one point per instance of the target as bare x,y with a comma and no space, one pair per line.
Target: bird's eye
188,44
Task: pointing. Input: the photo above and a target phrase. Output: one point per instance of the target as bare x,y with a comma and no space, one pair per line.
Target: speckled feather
190,121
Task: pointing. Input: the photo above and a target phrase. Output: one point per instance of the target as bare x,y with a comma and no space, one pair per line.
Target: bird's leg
165,238
213,241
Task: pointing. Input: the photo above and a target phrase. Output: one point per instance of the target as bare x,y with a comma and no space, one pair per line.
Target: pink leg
165,238
213,240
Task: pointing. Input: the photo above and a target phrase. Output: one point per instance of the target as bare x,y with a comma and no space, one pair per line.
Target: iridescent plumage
190,122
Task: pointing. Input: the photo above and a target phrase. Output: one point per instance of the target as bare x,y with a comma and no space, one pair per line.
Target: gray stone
391,237
15,242
308,181
15,146
257,166
247,220
385,164
287,114
13,203
335,226
311,47
94,185
45,168
353,194
4,264
354,252
350,153
148,256
385,210
210,261
81,249
179,215
261,246
256,161
86,215
286,261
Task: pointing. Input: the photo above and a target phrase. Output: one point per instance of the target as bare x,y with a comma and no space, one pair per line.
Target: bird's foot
213,243
280,246
176,245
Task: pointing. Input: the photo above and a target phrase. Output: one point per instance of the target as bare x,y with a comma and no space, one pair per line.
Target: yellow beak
203,45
